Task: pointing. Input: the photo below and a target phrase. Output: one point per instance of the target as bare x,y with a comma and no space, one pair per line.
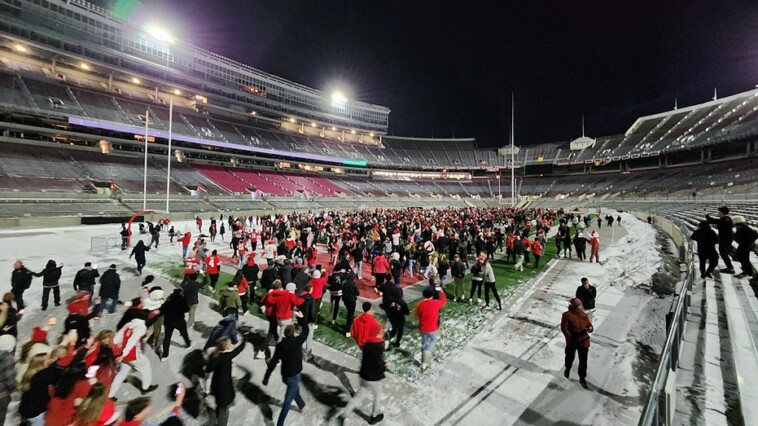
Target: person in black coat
301,279
350,295
745,237
397,309
371,373
726,235
173,311
85,279
706,239
21,280
139,255
580,244
586,293
191,290
50,277
290,352
285,272
307,319
268,276
110,285
222,384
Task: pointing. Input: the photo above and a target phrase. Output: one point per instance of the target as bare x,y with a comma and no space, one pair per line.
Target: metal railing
656,410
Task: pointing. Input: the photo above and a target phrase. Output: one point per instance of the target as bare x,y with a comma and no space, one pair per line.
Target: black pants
476,286
124,241
169,327
350,306
571,353
537,260
743,256
273,333
713,260
140,265
245,298
487,288
46,296
379,280
335,307
398,326
254,245
725,250
214,280
18,296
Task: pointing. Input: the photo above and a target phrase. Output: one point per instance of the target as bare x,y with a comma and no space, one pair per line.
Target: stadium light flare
84,66
159,33
313,124
352,132
371,134
334,129
177,92
136,80
292,120
339,100
20,48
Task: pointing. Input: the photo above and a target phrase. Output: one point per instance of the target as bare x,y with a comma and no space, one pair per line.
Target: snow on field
509,372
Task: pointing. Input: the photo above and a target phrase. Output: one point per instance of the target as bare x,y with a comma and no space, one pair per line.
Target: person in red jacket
318,283
185,239
594,246
381,268
576,327
363,327
428,314
284,301
212,267
537,252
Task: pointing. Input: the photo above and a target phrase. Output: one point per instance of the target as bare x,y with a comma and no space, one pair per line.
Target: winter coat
587,296
725,226
308,309
250,271
85,278
21,279
283,302
745,236
228,298
488,273
576,327
139,252
458,269
318,286
350,292
191,290
50,276
372,362
268,277
222,384
518,247
290,352
301,279
380,265
227,327
285,273
110,284
580,243
174,308
35,400
361,330
706,239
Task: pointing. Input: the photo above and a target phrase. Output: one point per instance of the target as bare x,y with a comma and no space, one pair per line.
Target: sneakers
741,275
347,334
149,389
583,383
376,419
566,373
478,301
709,275
727,271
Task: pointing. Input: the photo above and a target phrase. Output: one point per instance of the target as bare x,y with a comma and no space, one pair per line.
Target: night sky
448,67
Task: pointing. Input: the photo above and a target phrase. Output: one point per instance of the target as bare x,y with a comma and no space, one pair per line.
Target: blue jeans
111,307
428,340
292,393
184,251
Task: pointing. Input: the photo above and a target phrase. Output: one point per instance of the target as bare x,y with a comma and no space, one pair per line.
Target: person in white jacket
127,345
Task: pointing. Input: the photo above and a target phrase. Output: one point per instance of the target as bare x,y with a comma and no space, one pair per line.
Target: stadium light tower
159,34
339,100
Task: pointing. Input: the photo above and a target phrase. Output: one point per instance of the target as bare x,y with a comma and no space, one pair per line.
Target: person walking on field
726,236
488,275
428,314
371,373
85,279
290,352
576,327
110,285
458,271
139,255
594,246
50,277
707,240
21,280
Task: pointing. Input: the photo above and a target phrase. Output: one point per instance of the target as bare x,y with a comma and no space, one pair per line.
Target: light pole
144,179
168,168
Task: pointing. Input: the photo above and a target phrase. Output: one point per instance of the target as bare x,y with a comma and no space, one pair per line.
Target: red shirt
212,264
428,313
61,411
318,287
283,302
537,248
381,266
364,329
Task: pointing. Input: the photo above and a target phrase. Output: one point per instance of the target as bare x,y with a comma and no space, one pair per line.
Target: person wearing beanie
745,238
362,329
110,285
50,277
173,311
213,268
372,371
576,327
428,314
707,240
79,315
127,347
290,352
8,382
725,227
85,279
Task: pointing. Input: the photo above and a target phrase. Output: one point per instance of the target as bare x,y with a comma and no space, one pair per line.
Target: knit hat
299,261
148,279
395,256
7,343
738,219
39,335
575,303
428,292
316,274
724,209
86,264
291,287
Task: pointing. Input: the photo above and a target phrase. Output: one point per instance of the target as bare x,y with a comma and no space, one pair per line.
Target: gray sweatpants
374,388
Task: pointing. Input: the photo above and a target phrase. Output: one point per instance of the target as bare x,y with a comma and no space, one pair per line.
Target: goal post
103,245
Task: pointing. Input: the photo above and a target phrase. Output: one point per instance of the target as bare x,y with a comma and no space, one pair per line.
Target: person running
289,352
726,236
127,345
173,310
110,286
222,385
428,314
139,255
707,240
213,268
576,327
371,374
50,277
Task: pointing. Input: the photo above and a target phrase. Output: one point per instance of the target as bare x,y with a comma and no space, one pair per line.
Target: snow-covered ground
510,372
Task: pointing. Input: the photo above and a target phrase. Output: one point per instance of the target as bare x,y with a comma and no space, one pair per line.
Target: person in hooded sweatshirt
397,310
173,310
726,236
110,285
127,346
371,374
21,280
229,301
250,270
350,295
576,327
707,240
363,327
307,317
289,351
85,279
139,255
580,244
50,277
745,238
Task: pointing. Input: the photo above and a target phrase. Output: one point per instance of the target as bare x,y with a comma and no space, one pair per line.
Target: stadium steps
27,93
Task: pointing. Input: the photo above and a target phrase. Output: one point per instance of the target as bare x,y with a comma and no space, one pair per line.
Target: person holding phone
576,327
222,384
50,277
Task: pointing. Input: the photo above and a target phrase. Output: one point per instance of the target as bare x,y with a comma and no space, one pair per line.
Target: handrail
655,410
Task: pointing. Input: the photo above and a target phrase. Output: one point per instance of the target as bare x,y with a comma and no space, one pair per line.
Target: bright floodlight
159,34
339,99
20,48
